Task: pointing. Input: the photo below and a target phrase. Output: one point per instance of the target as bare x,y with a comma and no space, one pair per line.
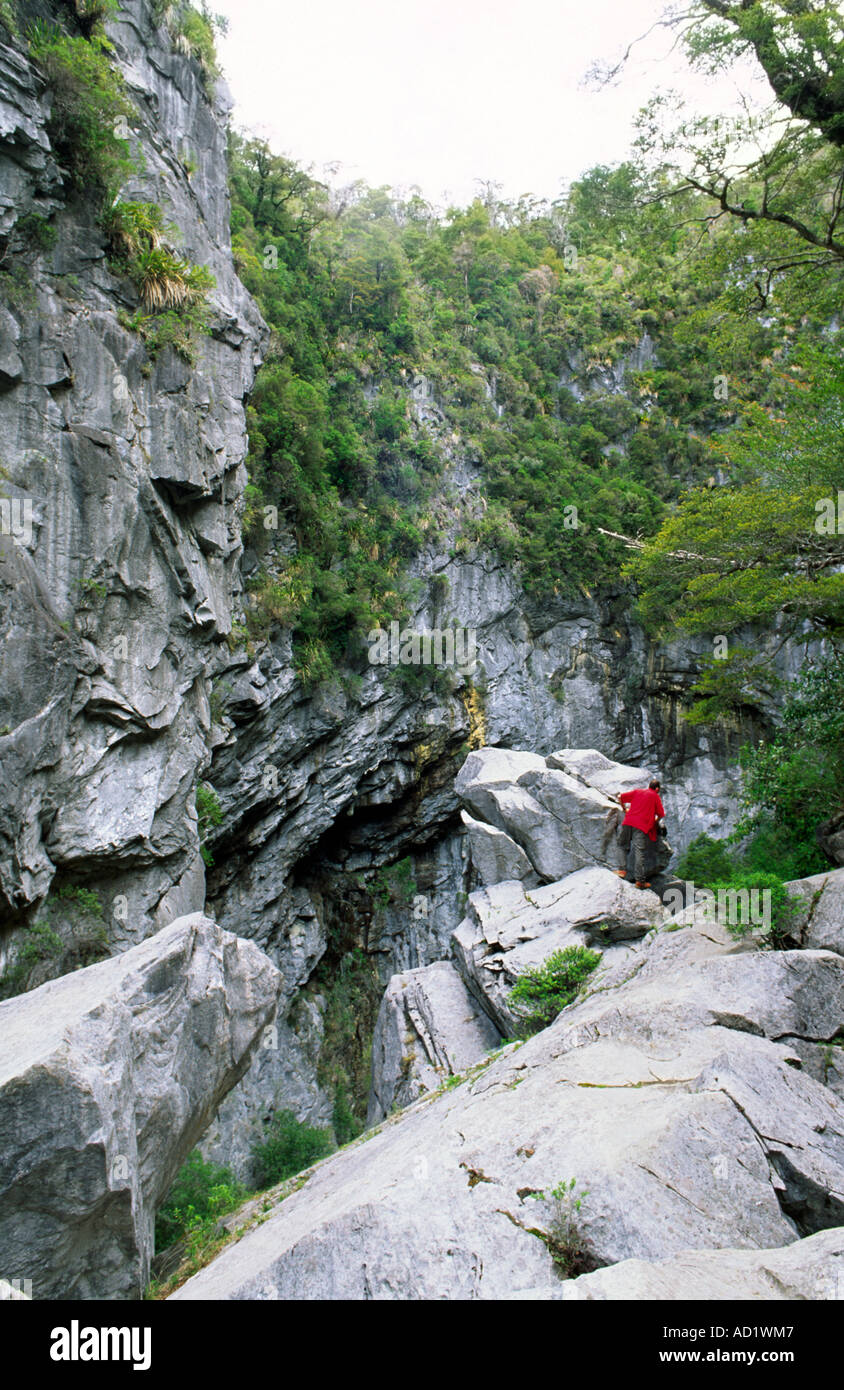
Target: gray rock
495,857
558,820
690,1128
808,1269
819,920
598,771
429,1028
107,1079
113,610
557,814
509,929
648,1150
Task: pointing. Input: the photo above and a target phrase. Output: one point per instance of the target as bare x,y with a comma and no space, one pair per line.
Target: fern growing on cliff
166,281
134,227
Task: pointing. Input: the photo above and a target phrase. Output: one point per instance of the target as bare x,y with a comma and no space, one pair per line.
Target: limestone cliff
118,591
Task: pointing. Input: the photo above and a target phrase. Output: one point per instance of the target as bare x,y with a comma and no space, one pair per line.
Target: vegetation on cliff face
647,374
89,130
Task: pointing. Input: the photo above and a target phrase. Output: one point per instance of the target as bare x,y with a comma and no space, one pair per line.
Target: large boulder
108,1077
819,921
509,929
429,1027
598,771
671,1095
546,817
809,1269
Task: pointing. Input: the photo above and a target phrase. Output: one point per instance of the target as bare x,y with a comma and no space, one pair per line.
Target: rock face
119,586
118,595
554,811
429,1028
107,1079
671,1094
508,930
495,857
820,918
809,1269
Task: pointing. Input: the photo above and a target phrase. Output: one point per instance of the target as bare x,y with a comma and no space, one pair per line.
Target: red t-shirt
645,810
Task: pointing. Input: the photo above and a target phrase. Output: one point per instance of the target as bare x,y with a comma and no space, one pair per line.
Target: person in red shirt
639,829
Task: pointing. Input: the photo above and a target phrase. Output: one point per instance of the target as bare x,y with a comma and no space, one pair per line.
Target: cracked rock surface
673,1096
108,1077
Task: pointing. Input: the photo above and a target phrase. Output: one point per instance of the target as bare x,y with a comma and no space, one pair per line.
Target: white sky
442,92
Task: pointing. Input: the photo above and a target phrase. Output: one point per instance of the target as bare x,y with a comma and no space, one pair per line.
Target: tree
779,173
766,547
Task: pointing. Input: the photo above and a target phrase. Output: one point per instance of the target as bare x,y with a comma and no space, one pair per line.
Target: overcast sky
439,93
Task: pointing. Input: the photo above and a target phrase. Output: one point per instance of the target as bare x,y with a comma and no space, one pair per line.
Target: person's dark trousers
642,847
623,844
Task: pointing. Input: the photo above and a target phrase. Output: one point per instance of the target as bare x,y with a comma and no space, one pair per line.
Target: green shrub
313,662
178,330
287,1147
92,13
87,103
542,991
84,898
36,232
346,1124
349,983
165,281
395,884
793,783
705,861
192,32
133,227
173,292
9,18
783,907
201,1193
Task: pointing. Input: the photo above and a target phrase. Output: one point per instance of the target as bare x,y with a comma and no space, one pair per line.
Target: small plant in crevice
192,33
541,992
209,813
90,14
35,233
84,898
394,885
173,292
166,281
133,227
563,1240
352,991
